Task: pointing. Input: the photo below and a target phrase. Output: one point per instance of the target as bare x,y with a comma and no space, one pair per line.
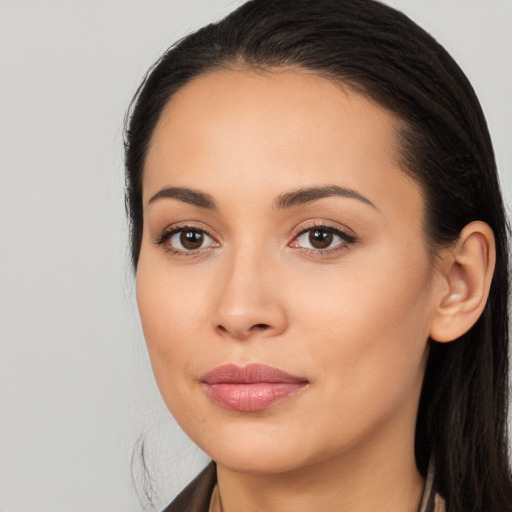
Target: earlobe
465,274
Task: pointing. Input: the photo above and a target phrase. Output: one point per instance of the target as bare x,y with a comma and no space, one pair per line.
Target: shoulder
196,496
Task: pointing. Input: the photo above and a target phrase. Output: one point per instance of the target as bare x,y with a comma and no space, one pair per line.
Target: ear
465,273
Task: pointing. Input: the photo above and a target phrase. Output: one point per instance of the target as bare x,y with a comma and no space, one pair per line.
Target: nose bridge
247,302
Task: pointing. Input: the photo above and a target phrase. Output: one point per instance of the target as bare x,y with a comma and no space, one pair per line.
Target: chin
258,461
259,449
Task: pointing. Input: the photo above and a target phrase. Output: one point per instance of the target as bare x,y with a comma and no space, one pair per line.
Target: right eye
186,241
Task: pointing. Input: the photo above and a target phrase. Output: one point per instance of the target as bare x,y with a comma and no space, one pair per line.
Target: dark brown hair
446,147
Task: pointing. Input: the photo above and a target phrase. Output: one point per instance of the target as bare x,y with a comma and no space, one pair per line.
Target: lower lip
250,397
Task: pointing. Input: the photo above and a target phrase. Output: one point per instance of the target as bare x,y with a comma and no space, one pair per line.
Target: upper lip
231,373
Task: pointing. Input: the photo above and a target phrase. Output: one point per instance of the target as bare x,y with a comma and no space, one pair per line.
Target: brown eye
320,238
189,240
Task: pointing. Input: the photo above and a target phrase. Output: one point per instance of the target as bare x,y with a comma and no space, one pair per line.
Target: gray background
76,390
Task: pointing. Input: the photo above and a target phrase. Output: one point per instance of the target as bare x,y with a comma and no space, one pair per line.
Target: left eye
189,240
320,238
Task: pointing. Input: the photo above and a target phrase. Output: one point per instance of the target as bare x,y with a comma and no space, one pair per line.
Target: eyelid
169,231
344,232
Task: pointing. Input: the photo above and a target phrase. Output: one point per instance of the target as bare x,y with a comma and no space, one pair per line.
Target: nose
249,300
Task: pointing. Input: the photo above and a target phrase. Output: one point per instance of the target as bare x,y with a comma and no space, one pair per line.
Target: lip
250,388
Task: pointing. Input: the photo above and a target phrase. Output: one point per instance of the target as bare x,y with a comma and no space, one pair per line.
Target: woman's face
284,283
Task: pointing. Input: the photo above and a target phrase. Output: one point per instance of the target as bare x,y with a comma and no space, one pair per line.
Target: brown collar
202,494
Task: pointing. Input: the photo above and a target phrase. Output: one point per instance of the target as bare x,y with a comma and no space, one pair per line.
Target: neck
381,476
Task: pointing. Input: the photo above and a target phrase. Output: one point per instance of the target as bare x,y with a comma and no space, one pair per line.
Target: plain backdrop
76,391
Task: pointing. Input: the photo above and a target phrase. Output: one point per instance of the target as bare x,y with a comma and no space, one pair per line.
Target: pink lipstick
250,388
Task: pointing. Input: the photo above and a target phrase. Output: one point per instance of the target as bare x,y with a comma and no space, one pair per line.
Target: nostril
242,332
260,327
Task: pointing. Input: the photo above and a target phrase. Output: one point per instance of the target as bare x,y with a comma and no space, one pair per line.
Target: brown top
201,495
197,495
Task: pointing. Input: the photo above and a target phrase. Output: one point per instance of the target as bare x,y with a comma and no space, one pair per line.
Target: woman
321,255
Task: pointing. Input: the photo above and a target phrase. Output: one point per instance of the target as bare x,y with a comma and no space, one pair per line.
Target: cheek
170,302
169,318
384,290
367,326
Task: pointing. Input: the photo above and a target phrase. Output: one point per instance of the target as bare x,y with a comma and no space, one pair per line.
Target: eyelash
346,239
168,233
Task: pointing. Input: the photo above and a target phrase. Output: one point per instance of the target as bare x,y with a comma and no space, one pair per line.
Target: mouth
250,388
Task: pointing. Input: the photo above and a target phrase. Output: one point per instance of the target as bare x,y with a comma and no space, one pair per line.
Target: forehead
273,130
281,107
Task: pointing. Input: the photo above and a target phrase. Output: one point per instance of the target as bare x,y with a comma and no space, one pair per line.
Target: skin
353,319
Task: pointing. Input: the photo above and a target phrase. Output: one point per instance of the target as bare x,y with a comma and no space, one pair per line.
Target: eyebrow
306,195
186,195
288,200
